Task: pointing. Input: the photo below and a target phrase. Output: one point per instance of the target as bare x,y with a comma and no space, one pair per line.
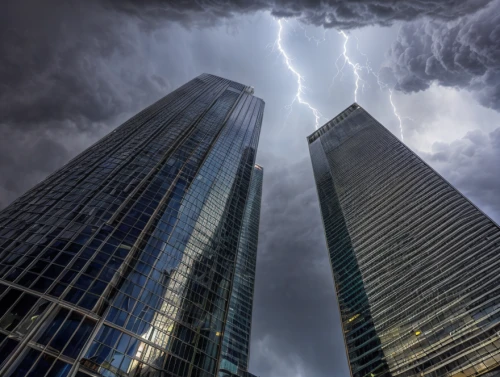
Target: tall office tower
122,262
415,264
236,340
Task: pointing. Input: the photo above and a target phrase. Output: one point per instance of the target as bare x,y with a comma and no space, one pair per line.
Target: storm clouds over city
72,71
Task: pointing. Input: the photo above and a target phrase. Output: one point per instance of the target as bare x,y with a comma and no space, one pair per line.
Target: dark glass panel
42,366
80,338
60,369
42,284
58,289
53,271
13,274
25,363
6,348
68,277
52,326
30,320
27,279
74,295
88,301
66,331
8,299
17,312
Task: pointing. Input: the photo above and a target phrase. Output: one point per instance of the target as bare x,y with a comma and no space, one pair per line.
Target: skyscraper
415,264
123,262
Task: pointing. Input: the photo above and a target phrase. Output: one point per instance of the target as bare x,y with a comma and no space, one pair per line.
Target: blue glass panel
42,366
66,331
25,363
111,337
80,338
53,326
60,369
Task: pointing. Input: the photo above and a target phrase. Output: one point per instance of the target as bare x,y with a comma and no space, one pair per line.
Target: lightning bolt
357,69
382,85
312,37
397,115
300,78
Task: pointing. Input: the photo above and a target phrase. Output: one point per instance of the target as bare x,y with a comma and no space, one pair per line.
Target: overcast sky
70,72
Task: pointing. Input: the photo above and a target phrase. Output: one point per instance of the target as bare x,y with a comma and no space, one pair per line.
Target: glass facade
415,264
236,337
122,262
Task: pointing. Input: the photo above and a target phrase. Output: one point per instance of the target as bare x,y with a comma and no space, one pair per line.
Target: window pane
43,365
7,300
17,312
80,338
66,331
53,325
6,348
33,317
60,369
25,363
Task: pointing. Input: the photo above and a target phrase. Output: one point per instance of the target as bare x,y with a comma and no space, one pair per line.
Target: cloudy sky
71,71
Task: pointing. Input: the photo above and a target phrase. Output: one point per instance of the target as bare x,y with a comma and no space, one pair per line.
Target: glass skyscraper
416,265
130,259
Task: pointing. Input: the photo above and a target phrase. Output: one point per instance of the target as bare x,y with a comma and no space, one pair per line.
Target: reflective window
17,312
86,241
26,361
7,345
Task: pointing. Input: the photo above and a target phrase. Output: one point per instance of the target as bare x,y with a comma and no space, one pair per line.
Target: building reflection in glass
122,262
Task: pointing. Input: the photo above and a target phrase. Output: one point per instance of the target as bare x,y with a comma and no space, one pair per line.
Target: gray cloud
471,164
76,68
68,72
330,13
62,63
462,54
25,161
62,59
293,271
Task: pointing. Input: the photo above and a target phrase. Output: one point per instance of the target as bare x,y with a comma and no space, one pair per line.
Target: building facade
123,262
236,339
416,265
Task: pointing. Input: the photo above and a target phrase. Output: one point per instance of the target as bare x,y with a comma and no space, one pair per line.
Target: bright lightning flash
397,115
357,69
300,78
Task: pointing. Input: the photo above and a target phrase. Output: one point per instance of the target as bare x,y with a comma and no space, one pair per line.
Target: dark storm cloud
462,54
471,164
295,279
25,160
330,13
55,64
66,70
74,66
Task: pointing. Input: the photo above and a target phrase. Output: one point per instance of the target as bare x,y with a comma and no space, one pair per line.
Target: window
16,313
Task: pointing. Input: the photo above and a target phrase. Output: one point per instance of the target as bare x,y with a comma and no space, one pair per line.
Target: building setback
236,341
123,262
416,265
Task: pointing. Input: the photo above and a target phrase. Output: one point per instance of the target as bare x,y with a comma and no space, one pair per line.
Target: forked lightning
300,78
